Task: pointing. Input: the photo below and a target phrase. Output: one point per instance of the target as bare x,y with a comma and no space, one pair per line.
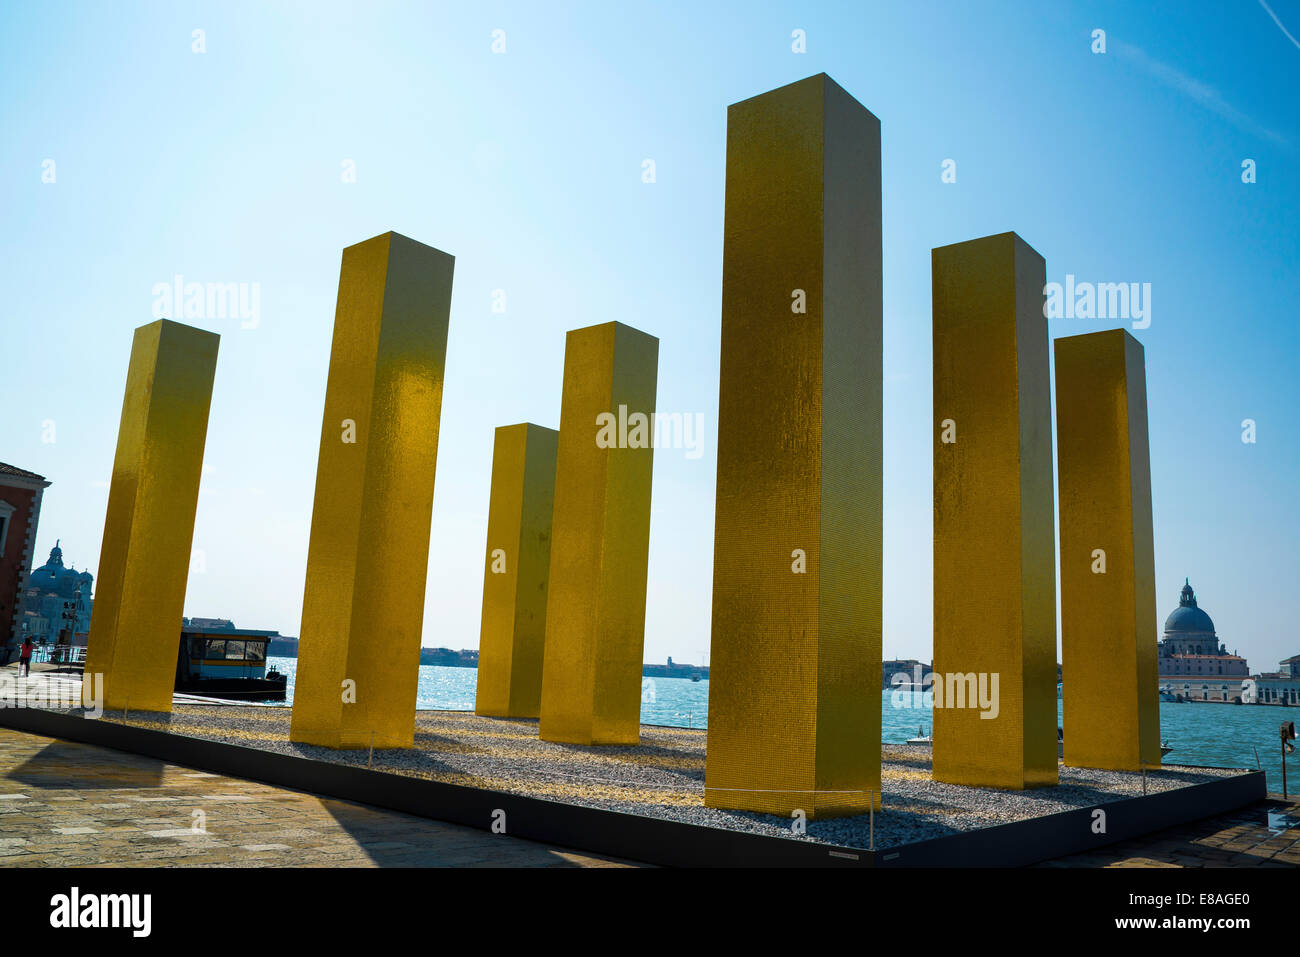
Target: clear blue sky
225,166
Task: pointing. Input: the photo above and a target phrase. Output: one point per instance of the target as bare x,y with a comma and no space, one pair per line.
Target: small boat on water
228,663
921,737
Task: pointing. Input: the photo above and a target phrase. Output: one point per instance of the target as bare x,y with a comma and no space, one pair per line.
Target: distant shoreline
468,658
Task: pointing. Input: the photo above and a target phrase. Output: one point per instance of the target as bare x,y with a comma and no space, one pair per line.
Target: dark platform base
647,839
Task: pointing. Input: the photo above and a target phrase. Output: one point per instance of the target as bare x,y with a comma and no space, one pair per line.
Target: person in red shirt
25,658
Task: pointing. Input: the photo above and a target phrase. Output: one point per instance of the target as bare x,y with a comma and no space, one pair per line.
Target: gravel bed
664,775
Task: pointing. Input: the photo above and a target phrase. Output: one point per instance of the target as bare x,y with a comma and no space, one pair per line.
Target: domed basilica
1192,662
57,598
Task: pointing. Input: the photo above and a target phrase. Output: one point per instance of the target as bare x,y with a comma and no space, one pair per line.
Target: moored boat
228,663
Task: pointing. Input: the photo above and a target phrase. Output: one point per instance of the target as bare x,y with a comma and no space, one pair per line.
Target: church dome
1187,618
54,576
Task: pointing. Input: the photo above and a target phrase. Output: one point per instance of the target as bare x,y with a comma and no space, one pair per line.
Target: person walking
25,658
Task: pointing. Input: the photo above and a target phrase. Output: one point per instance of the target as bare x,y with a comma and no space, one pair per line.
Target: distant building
674,669
211,624
283,646
447,658
215,625
1280,687
914,669
20,509
1192,663
58,599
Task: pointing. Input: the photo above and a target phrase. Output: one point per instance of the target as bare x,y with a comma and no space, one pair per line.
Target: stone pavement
64,804
1266,834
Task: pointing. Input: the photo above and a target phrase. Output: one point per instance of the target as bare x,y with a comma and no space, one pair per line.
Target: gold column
363,604
1108,591
994,549
515,577
600,538
794,690
135,626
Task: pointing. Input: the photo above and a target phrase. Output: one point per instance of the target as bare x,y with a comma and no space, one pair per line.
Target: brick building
20,509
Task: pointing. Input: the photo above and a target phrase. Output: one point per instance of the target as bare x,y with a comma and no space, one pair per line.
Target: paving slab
47,786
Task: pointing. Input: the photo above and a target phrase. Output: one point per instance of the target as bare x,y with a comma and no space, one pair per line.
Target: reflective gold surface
794,689
516,569
600,541
135,625
994,547
1108,618
363,604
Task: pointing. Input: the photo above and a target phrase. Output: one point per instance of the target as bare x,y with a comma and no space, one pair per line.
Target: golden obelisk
600,538
794,690
994,542
1108,593
363,604
516,573
135,625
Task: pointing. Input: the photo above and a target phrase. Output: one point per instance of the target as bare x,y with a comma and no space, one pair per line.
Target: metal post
1284,797
371,759
871,803
1144,778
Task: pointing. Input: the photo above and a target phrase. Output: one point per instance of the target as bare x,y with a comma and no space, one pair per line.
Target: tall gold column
135,626
363,604
1108,591
794,690
515,578
994,548
600,538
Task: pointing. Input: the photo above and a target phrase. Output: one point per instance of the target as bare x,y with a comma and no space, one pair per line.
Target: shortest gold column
1108,600
518,562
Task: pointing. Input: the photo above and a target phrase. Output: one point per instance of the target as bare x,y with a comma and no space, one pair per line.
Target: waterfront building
675,669
913,670
447,658
58,599
210,624
1192,662
20,508
1281,687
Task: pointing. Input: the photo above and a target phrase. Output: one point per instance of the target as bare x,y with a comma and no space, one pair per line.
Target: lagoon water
1213,735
